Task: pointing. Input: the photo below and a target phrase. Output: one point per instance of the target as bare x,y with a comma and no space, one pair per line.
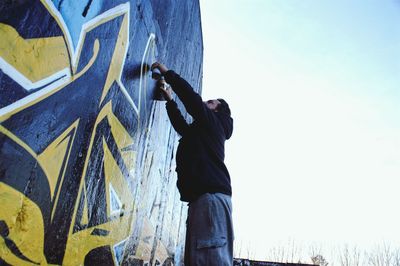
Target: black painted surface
100,256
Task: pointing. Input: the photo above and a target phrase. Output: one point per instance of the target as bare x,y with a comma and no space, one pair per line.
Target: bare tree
349,256
240,250
250,252
289,253
346,255
396,257
319,260
237,249
383,255
315,252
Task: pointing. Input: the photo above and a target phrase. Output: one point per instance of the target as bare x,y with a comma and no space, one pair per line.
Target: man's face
212,104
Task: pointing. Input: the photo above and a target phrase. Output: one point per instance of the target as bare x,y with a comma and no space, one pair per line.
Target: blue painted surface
76,13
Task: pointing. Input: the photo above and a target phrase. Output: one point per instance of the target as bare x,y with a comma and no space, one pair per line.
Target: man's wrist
168,76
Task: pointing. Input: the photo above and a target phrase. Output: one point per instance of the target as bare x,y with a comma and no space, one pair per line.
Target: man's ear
217,108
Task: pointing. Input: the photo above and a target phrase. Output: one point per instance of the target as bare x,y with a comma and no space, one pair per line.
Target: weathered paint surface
86,155
246,262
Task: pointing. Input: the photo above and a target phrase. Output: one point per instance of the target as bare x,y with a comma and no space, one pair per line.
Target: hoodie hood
227,124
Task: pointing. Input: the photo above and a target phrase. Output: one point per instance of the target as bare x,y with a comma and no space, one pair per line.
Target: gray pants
209,231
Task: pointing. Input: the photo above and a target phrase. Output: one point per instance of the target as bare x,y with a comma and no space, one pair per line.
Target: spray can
156,74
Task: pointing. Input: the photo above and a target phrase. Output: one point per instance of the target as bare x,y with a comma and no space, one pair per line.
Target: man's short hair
223,107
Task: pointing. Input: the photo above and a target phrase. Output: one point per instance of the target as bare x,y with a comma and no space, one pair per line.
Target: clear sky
314,91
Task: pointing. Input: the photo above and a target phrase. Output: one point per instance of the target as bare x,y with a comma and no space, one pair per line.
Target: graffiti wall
86,153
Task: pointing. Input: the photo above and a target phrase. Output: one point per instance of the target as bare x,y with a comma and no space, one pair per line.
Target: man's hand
166,90
163,69
167,94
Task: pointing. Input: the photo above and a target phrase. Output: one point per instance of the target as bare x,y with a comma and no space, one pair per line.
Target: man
203,179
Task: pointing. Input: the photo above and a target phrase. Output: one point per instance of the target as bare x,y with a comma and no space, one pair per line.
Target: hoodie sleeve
191,100
177,120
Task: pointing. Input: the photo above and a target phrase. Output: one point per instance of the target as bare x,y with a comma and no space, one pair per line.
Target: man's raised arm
191,100
177,120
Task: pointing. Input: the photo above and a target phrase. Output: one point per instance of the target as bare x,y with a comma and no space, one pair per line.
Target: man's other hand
163,69
166,90
167,94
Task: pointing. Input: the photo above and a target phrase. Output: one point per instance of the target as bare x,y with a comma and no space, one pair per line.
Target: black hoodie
201,152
